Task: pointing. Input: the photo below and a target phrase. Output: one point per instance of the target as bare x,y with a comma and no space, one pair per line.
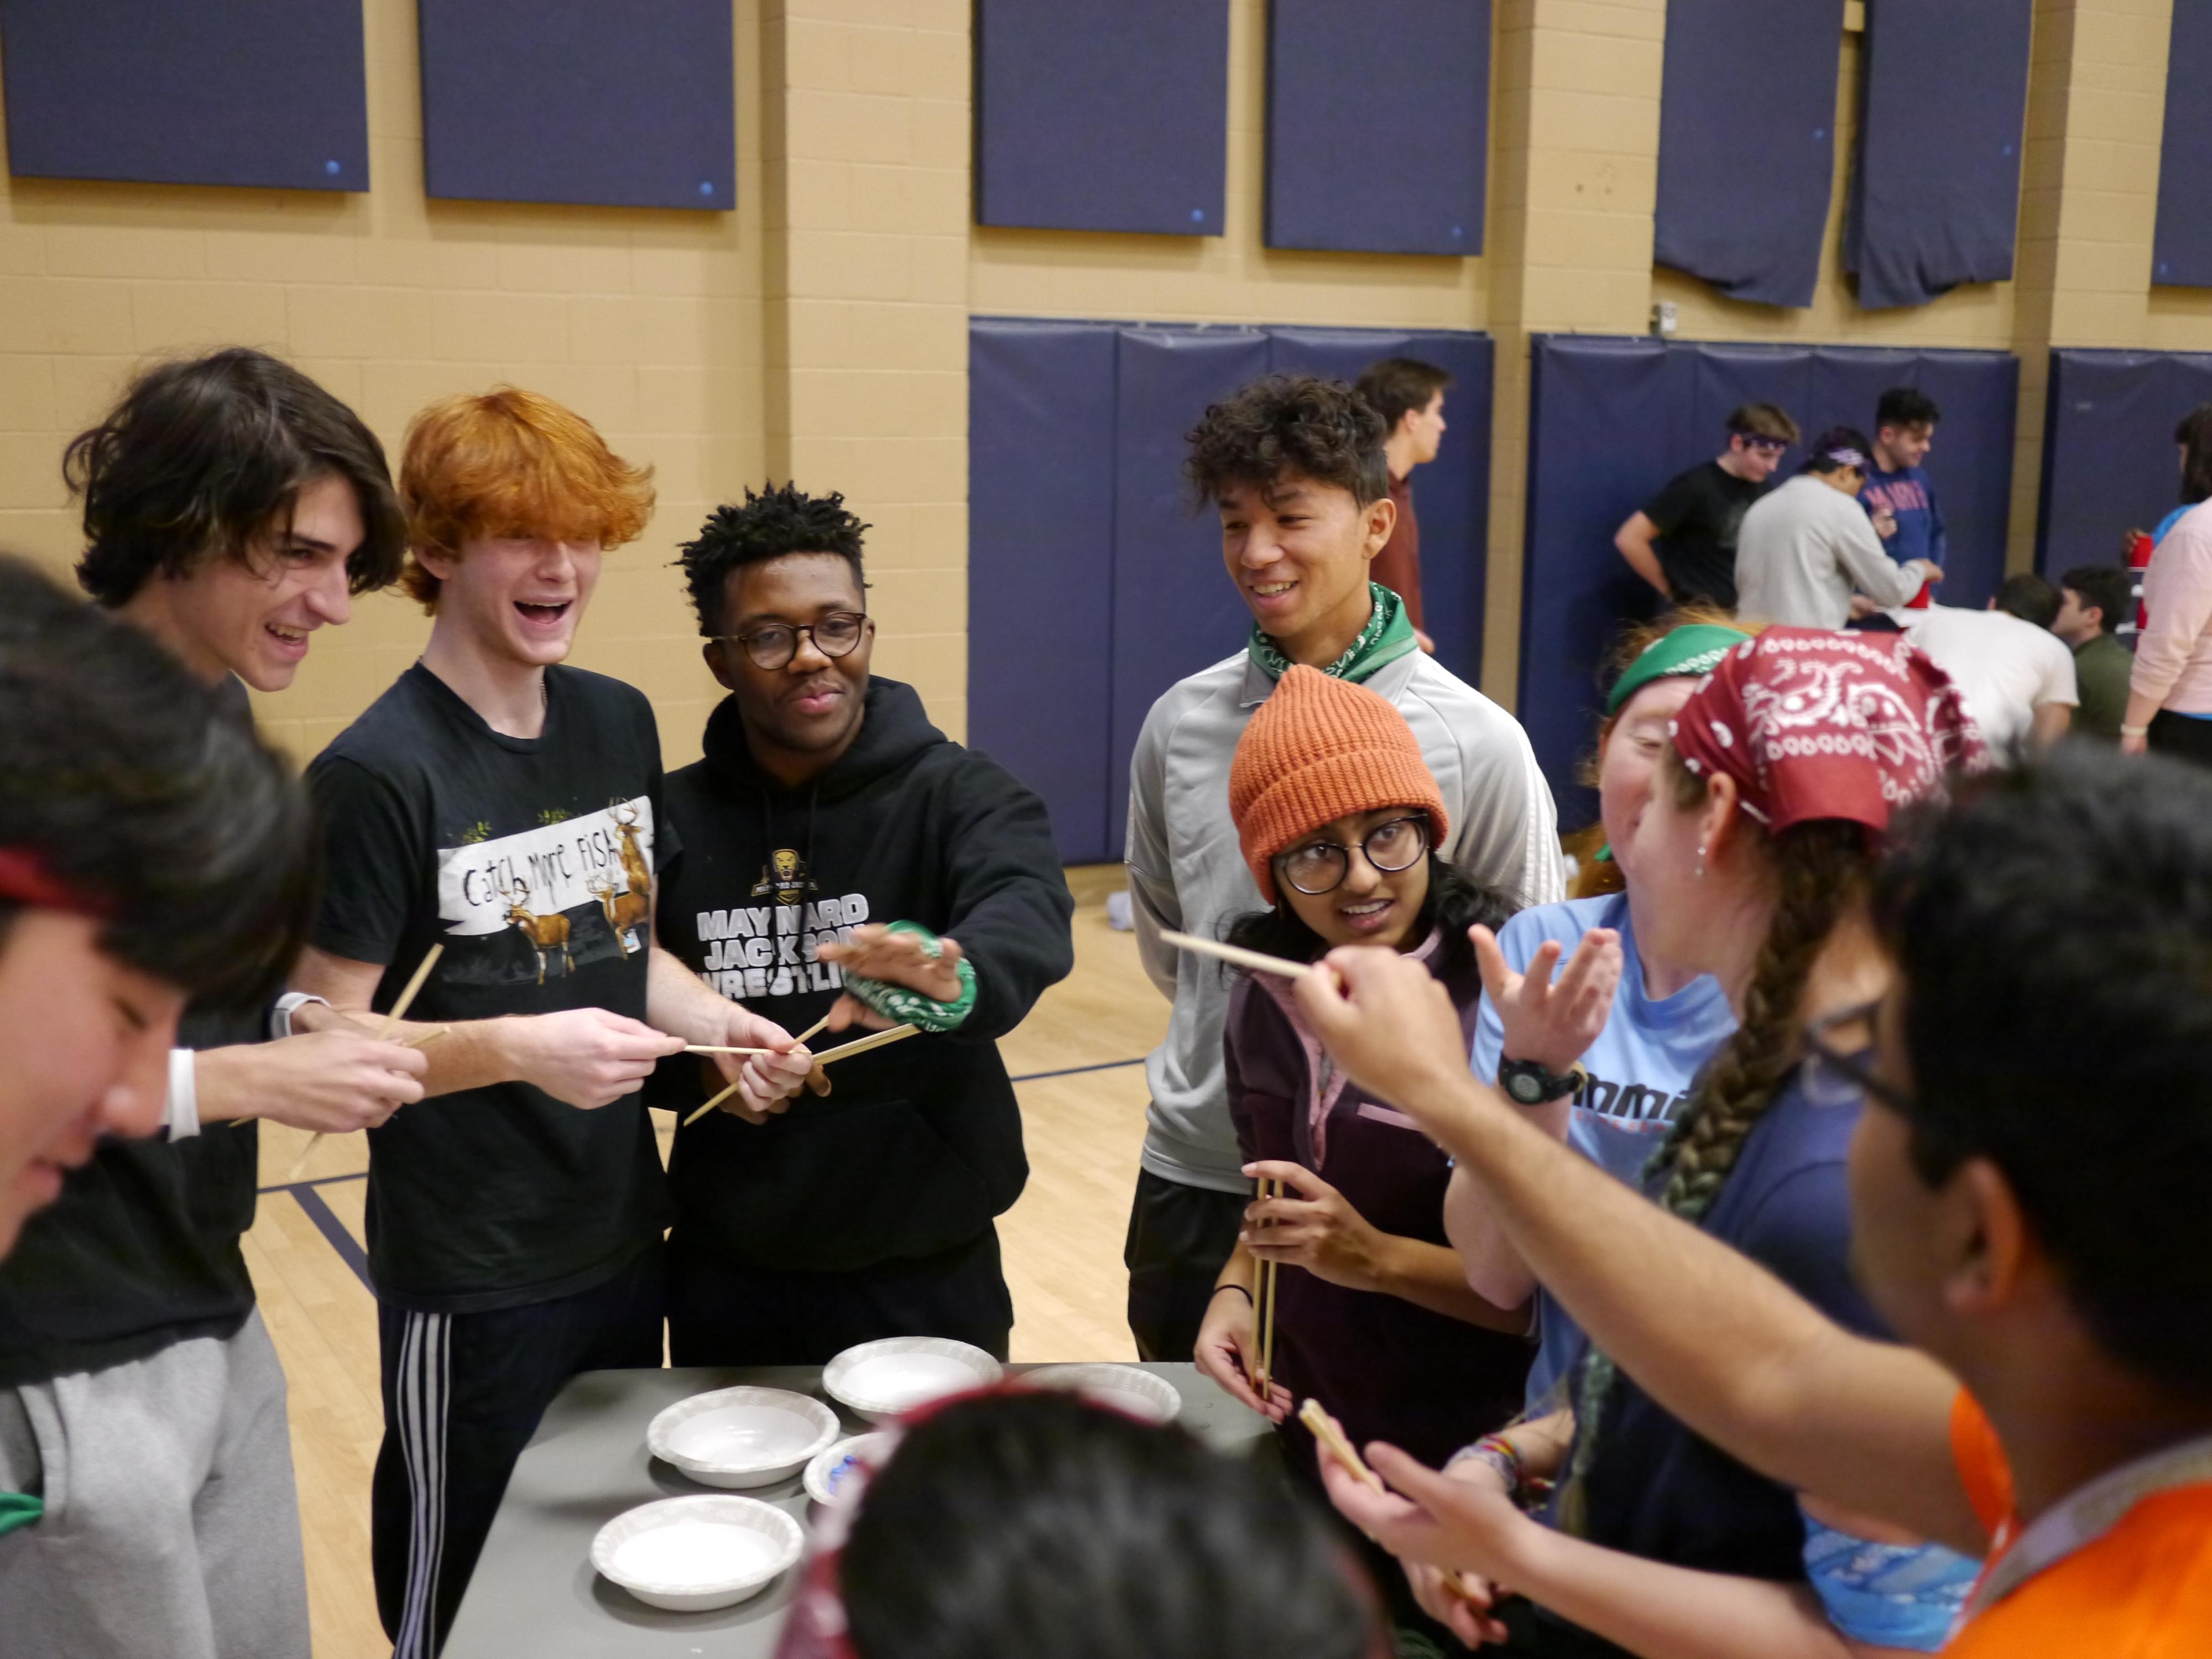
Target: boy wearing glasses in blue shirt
827,807
1683,540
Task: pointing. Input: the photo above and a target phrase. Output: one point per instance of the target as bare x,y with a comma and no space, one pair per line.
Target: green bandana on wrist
1388,636
911,1007
1694,650
19,1508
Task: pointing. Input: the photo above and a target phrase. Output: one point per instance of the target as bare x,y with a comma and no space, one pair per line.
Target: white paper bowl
880,1380
1124,1387
742,1438
825,1475
694,1554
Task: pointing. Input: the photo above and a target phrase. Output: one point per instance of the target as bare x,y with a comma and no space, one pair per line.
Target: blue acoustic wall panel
580,101
1378,124
1747,145
1101,114
1948,80
1175,607
1452,493
191,91
2181,246
2109,463
1612,420
1041,565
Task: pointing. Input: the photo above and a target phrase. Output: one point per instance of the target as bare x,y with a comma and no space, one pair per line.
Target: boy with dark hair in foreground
2020,1218
1294,467
826,807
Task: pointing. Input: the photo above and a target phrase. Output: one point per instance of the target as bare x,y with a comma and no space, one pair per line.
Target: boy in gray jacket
1295,466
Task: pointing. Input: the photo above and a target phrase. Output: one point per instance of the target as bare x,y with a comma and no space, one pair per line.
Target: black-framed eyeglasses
1839,1054
773,645
1320,867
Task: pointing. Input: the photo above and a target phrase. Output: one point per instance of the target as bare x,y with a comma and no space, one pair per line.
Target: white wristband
180,1113
280,1017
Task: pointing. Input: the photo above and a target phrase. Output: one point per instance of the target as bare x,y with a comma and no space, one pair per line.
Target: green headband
1694,650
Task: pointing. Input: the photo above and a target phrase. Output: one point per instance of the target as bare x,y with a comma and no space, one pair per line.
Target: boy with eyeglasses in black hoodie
827,807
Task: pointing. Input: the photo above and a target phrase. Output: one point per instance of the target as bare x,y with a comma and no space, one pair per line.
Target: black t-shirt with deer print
533,860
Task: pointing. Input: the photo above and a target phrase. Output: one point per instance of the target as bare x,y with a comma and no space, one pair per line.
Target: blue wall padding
1175,607
1935,195
218,92
580,101
1612,420
1452,494
1101,114
1041,564
1093,585
1378,124
2181,245
1747,145
2109,460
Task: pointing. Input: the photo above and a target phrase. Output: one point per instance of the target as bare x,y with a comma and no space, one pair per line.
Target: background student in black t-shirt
509,810
828,805
232,507
1683,540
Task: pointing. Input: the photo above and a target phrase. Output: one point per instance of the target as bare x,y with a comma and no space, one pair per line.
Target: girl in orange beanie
1338,818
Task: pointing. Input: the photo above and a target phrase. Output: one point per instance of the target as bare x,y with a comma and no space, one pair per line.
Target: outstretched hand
1551,1021
875,952
1392,1027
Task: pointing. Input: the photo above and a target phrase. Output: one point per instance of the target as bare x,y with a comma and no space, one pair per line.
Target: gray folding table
534,1591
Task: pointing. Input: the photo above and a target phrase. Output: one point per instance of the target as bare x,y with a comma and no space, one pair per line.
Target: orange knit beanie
1318,749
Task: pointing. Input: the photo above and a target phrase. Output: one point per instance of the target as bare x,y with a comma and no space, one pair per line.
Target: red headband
25,878
1818,724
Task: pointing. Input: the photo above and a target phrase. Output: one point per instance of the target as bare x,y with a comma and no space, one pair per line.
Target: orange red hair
512,463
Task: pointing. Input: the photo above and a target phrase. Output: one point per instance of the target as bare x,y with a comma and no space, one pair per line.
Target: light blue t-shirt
1640,1071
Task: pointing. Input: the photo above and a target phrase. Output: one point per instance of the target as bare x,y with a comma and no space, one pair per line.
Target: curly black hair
778,519
1283,423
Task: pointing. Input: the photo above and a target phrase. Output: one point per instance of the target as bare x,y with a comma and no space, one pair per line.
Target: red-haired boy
509,809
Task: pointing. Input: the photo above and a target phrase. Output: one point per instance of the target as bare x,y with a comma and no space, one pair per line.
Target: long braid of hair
1822,870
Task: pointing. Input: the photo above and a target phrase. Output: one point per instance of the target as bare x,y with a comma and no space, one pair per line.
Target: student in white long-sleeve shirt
1295,465
1804,548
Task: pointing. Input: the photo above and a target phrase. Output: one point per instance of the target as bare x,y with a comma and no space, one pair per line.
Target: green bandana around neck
1388,636
19,1508
1695,650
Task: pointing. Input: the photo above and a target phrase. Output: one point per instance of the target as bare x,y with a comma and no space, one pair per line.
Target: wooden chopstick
815,1030
874,1040
1331,1440
716,1048
423,1040
1258,961
1268,1188
390,1023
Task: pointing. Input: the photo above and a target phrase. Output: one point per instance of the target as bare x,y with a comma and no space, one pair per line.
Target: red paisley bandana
1818,724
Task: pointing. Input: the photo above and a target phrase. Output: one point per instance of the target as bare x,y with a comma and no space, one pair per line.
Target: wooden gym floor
1075,1062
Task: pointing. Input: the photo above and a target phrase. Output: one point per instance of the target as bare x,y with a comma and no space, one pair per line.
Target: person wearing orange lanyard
2027,1184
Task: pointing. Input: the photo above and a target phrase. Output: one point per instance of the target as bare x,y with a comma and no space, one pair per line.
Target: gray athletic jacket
1187,873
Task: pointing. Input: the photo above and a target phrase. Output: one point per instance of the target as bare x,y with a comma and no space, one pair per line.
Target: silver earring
1701,863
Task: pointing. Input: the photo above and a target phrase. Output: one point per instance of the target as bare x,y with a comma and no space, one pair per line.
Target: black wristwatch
1528,1083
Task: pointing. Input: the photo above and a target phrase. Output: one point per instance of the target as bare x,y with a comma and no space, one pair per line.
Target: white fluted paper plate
695,1554
880,1380
742,1438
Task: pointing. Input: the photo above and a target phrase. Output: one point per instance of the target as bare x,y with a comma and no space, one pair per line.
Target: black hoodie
918,1145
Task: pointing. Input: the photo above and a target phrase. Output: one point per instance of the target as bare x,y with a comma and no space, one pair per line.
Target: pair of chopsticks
875,1040
1268,1188
390,1024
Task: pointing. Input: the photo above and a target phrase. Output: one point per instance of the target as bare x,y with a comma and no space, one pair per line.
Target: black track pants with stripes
462,1396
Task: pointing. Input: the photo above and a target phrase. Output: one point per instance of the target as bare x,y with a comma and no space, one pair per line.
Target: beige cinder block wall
819,331
648,322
